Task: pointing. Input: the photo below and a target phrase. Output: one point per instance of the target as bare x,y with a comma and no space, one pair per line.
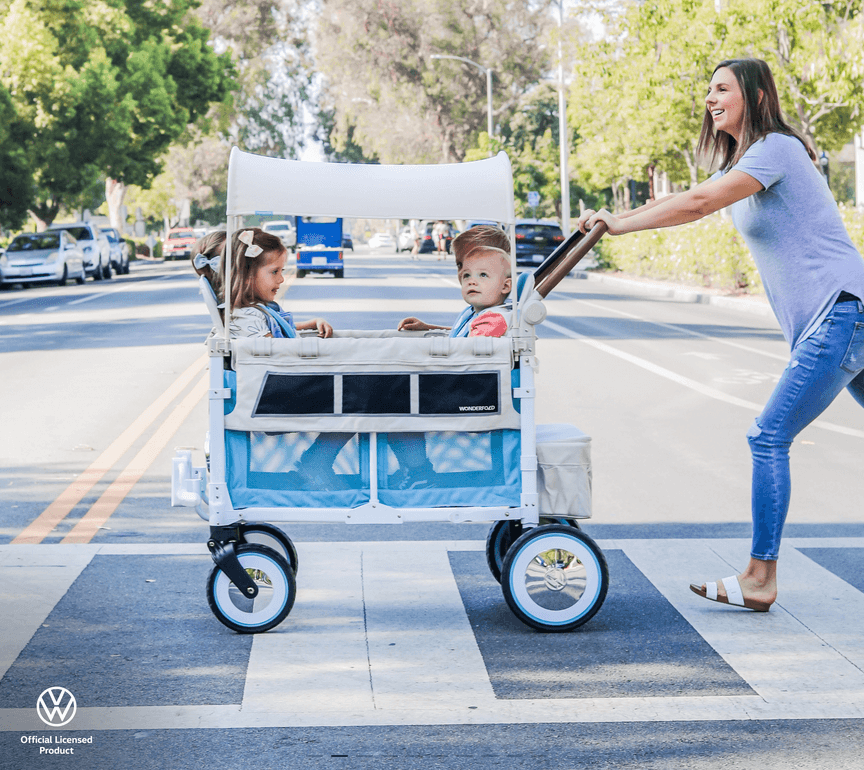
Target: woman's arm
678,209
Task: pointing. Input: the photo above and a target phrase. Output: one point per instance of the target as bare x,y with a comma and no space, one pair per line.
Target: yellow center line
43,524
105,506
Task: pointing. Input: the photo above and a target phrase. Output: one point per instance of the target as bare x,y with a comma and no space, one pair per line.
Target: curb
682,294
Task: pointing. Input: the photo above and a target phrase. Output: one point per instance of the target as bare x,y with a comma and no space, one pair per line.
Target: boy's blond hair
480,235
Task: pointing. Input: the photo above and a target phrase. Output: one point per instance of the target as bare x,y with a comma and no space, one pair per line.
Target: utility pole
562,127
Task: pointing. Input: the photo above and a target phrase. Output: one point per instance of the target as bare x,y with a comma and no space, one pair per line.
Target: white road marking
379,636
705,390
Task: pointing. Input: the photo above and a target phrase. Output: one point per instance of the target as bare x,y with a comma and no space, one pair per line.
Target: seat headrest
212,303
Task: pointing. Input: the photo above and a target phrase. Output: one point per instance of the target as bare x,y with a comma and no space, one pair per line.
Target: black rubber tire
339,273
301,273
97,273
237,612
108,271
504,533
65,277
555,578
272,537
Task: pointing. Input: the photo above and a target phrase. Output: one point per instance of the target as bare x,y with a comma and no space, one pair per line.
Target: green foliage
16,181
637,98
709,252
105,87
401,106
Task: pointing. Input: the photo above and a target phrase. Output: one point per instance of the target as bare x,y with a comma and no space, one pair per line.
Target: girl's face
268,277
725,102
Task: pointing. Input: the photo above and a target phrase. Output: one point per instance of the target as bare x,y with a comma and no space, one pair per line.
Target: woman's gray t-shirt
794,231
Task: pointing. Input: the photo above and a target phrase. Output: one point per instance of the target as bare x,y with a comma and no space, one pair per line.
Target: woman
812,273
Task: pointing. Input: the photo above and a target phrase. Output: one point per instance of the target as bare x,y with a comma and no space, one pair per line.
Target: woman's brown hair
243,268
762,115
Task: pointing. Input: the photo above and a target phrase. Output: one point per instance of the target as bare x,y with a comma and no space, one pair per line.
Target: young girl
812,273
257,262
207,258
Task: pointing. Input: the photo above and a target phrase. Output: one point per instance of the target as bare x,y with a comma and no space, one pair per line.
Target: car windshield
78,233
111,235
35,242
181,234
544,231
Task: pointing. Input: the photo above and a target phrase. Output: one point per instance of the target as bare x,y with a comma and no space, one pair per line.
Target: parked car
94,246
49,256
427,240
178,244
284,229
347,240
119,251
536,239
405,242
382,240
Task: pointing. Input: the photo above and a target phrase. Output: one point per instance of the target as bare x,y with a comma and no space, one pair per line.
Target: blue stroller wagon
468,403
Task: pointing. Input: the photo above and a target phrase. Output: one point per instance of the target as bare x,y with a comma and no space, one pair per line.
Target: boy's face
485,280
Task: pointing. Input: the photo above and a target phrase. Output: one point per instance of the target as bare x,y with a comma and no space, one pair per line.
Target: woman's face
268,277
725,102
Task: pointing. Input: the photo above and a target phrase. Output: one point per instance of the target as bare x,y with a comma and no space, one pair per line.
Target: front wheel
108,272
276,591
61,281
555,578
339,273
301,273
272,537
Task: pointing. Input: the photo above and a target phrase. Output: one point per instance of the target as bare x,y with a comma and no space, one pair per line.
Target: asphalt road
400,652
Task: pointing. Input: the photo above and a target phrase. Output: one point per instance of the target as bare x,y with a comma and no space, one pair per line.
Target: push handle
561,261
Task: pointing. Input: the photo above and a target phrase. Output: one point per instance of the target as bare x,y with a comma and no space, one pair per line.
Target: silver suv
94,246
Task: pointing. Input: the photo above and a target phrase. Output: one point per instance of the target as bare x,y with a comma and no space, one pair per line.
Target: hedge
707,253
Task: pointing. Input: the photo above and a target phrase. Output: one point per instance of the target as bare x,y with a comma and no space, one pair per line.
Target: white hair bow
200,262
251,249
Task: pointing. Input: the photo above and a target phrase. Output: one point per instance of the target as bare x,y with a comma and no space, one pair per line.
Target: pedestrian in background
812,273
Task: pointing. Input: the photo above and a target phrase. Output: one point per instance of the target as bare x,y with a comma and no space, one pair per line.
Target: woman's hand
581,223
614,225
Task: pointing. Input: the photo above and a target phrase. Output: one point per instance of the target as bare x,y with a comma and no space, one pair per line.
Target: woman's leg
812,380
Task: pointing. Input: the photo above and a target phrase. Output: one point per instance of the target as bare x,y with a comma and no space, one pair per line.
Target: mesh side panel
281,452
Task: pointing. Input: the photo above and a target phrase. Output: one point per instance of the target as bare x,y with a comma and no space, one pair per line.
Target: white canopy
481,189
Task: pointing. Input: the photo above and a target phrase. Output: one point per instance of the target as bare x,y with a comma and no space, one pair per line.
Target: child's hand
324,329
412,324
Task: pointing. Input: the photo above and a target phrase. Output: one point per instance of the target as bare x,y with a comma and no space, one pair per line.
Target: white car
284,230
119,250
382,241
406,241
94,246
49,256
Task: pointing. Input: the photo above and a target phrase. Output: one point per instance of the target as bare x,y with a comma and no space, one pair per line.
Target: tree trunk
43,214
651,190
115,192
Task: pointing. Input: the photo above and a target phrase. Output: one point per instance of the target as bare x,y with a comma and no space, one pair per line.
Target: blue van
319,246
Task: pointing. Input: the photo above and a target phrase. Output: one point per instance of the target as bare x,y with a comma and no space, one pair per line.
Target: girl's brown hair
243,268
762,115
211,245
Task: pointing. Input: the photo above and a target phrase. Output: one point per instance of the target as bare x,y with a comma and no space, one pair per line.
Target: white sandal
734,595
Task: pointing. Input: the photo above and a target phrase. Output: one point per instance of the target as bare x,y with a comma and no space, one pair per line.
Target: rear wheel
504,533
301,273
339,273
555,578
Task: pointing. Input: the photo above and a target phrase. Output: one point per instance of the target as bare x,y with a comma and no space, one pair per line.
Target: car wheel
97,273
301,273
339,273
81,278
61,281
108,272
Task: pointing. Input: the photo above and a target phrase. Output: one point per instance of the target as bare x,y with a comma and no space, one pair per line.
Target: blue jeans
830,359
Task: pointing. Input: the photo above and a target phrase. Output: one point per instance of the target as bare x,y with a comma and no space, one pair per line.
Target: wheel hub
555,579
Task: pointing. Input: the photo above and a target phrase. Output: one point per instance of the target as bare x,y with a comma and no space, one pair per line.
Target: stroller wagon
468,403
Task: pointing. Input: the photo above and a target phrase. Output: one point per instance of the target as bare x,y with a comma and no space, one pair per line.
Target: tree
403,107
106,87
651,73
16,181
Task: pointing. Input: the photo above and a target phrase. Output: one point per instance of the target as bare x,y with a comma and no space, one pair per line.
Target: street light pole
486,71
563,140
